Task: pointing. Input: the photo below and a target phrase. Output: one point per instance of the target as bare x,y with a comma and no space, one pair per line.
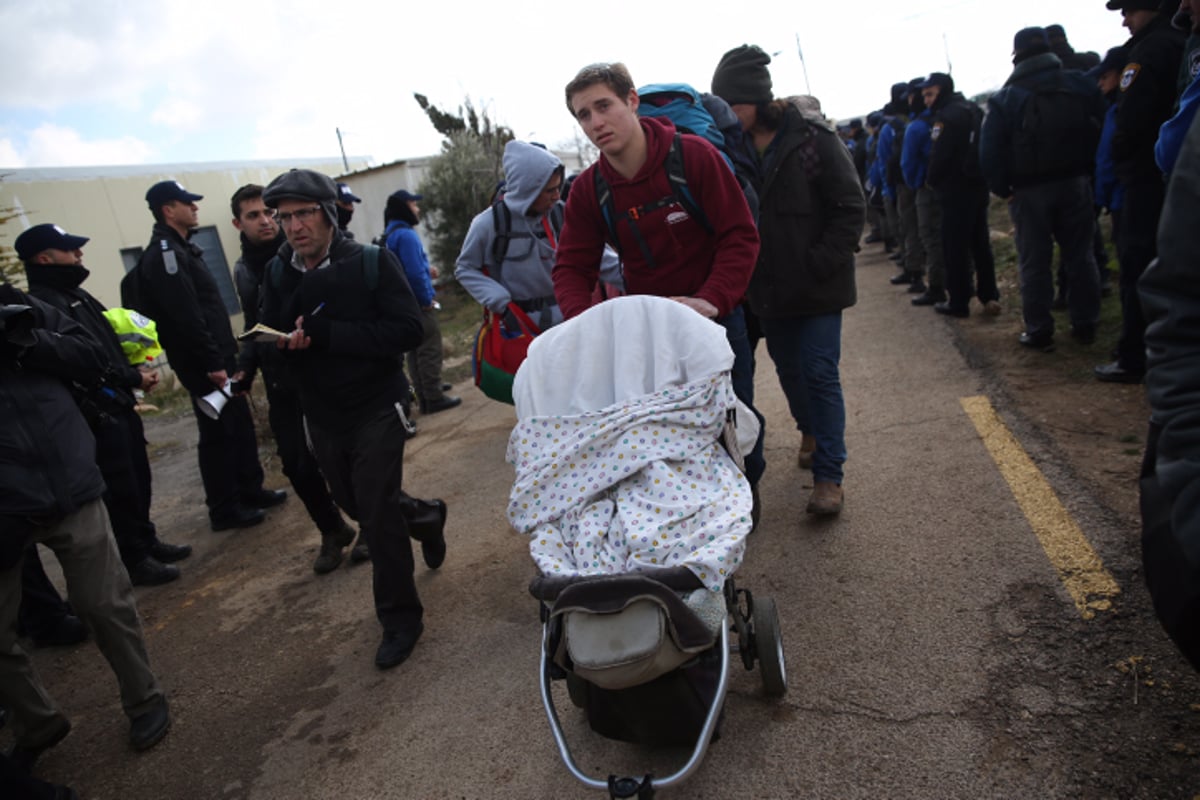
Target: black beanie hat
742,77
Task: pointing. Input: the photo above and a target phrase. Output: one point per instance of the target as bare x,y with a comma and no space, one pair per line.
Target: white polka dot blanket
643,483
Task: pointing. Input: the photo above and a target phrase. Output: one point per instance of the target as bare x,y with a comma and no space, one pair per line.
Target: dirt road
934,650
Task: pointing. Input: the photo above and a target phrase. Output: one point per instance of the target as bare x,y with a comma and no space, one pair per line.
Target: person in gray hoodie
509,250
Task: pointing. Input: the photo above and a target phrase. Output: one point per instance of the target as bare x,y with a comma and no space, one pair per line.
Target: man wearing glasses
172,285
351,314
261,239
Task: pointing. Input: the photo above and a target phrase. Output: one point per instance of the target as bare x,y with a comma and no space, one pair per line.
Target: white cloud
8,154
51,145
178,114
229,79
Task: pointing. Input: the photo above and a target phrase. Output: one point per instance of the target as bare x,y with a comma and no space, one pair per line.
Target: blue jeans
806,352
742,377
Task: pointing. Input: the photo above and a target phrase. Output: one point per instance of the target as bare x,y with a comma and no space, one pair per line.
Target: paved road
934,650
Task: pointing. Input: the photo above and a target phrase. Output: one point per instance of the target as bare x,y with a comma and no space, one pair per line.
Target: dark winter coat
810,219
1006,115
954,144
352,371
248,275
60,286
47,453
172,286
1170,485
1147,97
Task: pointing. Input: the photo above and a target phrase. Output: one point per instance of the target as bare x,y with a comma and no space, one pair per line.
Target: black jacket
1147,97
810,219
248,275
352,371
60,286
172,286
47,453
1170,486
1069,154
954,153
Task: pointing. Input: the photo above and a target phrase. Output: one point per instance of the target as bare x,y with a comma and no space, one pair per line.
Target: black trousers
121,456
299,464
965,235
228,453
1137,245
365,467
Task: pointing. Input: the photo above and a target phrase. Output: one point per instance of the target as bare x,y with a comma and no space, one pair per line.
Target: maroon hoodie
688,260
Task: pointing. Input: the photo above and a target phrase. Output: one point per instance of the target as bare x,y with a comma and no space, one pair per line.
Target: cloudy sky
140,82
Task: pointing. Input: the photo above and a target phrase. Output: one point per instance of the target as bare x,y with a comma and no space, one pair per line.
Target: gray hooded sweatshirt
524,276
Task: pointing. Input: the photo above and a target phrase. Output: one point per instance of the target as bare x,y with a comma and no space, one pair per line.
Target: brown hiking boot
827,499
807,445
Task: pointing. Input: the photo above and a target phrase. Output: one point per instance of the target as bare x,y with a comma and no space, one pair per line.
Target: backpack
704,115
502,226
1056,136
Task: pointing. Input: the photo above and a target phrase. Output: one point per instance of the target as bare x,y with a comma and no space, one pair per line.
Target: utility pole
342,147
946,47
803,66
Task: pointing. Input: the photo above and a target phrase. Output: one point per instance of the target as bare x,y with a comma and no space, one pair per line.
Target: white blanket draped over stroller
617,452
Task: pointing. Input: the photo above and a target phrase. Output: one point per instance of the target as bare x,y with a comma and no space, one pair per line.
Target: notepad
261,333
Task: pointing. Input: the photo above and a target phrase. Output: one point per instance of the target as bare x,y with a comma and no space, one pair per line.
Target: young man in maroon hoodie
665,249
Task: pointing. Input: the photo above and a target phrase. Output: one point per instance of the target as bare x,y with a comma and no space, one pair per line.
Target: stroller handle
706,732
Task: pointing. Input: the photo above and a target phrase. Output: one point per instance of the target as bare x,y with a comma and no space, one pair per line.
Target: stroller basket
648,697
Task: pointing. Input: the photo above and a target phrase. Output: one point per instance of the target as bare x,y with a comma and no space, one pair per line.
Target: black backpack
1056,136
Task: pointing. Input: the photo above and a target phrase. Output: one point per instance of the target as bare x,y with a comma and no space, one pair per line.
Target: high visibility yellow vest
138,335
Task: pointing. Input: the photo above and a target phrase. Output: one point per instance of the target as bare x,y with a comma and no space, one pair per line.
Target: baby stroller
629,485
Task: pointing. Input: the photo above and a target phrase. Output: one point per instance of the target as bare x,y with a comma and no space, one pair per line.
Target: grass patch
459,319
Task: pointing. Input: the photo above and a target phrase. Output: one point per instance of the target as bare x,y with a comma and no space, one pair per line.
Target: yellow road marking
1079,567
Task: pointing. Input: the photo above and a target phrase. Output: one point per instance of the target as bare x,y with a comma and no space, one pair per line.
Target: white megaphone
212,403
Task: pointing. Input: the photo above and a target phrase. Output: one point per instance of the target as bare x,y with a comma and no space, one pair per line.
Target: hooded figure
531,213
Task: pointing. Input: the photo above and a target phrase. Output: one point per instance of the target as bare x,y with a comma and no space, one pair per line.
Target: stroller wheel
577,689
768,646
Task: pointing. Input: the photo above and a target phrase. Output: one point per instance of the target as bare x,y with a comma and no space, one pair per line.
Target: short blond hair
615,76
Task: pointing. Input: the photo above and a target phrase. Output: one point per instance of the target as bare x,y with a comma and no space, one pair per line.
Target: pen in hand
318,308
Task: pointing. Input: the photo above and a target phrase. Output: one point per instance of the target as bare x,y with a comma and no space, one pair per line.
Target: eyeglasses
301,215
